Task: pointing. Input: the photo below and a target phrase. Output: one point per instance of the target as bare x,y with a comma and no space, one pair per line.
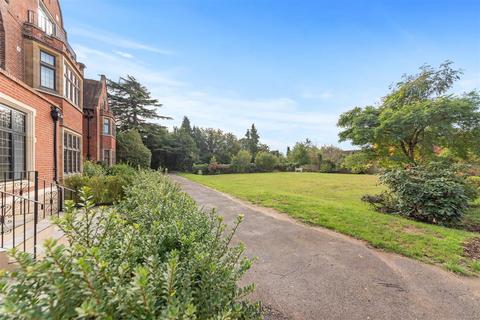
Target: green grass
333,201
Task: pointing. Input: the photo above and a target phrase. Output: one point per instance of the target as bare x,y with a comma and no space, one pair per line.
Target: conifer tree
132,104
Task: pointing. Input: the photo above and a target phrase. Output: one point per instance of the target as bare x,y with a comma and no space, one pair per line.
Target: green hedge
156,255
106,184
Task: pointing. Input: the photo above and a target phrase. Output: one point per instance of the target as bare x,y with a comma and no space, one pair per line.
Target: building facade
98,123
42,95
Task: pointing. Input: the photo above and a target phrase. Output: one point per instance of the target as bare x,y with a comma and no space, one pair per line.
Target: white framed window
72,155
47,70
45,22
71,85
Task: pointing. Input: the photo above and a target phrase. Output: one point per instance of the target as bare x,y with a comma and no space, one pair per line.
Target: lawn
333,201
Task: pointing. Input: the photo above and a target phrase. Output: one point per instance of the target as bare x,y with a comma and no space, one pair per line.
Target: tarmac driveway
305,272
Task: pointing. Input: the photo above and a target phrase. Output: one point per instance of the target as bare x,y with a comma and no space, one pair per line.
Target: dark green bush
435,193
131,150
155,256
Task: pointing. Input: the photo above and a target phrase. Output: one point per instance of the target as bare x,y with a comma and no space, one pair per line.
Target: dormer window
45,22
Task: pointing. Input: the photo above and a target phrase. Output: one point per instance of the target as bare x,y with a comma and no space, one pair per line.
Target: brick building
98,123
42,95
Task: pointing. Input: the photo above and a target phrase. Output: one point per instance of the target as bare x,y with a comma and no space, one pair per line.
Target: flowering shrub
156,255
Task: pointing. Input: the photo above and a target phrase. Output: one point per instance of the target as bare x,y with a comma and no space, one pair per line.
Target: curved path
305,272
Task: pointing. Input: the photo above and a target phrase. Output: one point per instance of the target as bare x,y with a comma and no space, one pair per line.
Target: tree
241,162
417,118
251,141
131,150
186,126
300,153
132,104
266,161
332,154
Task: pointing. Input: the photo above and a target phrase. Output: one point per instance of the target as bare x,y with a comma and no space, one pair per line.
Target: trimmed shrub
265,161
435,193
155,256
201,168
106,186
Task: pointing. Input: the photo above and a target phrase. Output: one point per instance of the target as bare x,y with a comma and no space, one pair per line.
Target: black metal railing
25,201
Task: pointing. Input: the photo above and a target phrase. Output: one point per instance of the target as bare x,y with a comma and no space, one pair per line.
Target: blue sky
291,67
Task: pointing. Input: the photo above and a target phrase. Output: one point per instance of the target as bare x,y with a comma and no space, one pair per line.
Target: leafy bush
435,193
327,166
155,256
266,161
287,166
91,169
121,169
475,182
131,150
358,162
201,168
241,162
106,186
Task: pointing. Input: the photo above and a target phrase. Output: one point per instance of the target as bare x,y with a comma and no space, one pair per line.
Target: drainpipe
89,116
56,114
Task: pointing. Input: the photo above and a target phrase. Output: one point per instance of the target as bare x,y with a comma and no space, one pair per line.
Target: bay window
71,85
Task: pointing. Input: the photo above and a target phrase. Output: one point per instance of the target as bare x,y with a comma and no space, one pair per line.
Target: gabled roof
92,89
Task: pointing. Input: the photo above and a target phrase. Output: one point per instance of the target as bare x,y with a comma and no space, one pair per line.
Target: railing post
60,199
35,215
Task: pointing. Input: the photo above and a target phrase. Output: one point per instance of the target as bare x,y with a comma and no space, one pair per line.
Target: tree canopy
417,119
132,104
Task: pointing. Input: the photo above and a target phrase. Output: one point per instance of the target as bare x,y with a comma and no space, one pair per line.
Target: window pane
5,153
47,77
47,58
5,117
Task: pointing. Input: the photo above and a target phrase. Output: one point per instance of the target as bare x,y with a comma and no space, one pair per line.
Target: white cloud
100,62
116,41
281,120
123,54
316,95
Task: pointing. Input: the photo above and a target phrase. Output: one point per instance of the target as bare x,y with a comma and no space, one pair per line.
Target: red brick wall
98,141
14,14
43,122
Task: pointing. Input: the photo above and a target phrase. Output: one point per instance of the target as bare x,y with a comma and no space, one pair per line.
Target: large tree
251,142
132,104
417,118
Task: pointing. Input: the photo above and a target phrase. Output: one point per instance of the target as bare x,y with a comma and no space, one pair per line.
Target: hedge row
156,255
